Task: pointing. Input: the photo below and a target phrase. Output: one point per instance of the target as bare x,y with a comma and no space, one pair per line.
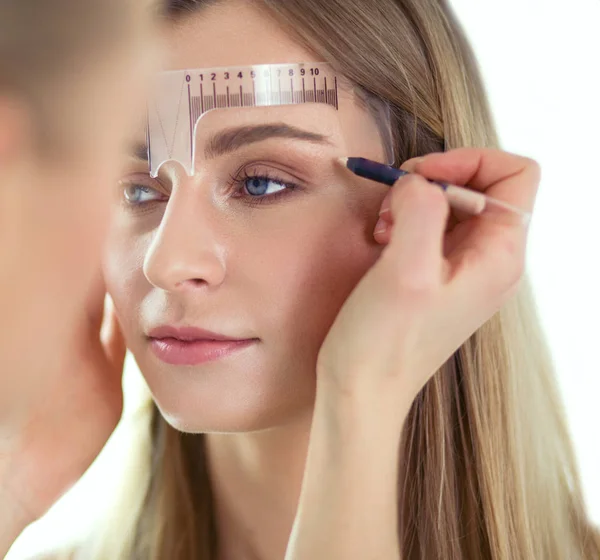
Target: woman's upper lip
188,334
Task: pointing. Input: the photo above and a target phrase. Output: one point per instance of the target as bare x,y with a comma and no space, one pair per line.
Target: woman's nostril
195,282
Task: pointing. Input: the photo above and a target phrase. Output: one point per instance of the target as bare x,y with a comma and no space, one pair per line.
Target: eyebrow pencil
460,198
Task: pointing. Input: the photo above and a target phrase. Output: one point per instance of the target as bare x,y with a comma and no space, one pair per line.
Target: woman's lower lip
191,353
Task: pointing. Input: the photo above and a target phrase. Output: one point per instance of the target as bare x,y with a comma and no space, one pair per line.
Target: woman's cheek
123,271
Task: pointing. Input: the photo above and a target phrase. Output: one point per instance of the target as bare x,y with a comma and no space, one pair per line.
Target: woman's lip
179,352
187,334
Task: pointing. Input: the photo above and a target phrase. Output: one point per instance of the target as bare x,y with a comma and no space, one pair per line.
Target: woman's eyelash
132,187
240,183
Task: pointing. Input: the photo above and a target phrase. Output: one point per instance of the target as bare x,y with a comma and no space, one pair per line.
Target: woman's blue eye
139,194
262,186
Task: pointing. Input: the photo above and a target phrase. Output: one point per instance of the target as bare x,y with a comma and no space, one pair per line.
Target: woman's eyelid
270,176
273,168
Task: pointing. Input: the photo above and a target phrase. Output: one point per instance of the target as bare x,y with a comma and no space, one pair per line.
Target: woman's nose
186,252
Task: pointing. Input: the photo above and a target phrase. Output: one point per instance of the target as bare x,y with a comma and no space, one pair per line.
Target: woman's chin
240,393
223,417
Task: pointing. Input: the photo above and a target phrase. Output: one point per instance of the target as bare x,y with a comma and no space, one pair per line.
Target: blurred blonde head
72,75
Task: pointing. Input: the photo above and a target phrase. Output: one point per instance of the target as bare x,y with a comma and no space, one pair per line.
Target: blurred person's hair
48,46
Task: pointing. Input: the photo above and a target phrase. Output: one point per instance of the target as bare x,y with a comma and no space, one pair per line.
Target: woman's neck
256,479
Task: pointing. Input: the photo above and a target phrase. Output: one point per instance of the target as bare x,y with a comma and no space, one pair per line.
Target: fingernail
411,164
386,205
381,227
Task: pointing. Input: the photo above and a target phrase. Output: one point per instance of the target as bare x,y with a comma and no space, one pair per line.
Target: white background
540,64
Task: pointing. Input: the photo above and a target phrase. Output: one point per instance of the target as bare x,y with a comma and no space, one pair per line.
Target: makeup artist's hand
436,282
57,421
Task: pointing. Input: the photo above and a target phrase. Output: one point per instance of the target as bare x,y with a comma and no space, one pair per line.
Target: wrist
353,461
366,403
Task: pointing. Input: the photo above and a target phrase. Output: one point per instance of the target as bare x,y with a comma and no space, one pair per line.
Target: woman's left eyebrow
232,139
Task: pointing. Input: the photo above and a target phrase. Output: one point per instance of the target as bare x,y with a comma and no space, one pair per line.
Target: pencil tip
343,161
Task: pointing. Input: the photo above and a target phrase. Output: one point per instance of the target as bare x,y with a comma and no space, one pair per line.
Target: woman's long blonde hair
488,469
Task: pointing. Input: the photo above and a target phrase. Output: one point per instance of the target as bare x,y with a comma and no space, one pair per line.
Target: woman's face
262,245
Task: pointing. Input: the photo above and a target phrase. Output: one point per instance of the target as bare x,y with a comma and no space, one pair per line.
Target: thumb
420,212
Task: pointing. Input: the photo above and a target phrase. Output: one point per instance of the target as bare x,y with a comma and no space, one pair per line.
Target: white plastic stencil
183,98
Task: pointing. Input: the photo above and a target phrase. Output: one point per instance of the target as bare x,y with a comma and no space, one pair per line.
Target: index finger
508,177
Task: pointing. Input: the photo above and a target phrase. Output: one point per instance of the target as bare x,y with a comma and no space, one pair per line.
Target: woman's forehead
231,33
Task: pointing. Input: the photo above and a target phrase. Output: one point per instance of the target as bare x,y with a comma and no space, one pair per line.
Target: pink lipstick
189,346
